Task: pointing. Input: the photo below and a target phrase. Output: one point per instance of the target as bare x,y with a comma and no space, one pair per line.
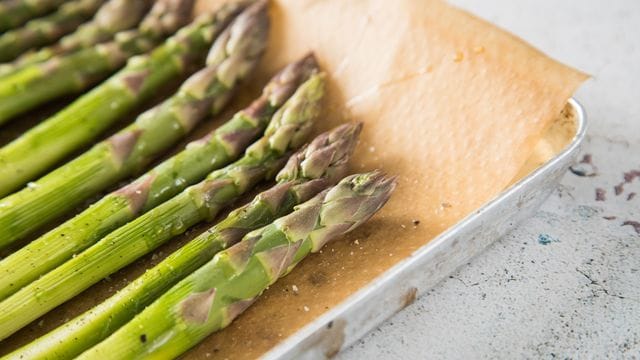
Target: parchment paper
451,104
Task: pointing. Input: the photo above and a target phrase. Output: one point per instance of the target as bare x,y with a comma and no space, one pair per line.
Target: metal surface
400,285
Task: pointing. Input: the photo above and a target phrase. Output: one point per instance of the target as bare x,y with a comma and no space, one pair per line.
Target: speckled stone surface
566,283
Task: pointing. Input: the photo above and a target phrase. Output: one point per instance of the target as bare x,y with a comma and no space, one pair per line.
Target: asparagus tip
361,195
121,14
326,156
168,14
239,47
282,85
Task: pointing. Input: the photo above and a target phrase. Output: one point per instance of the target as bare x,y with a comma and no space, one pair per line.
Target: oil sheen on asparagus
287,130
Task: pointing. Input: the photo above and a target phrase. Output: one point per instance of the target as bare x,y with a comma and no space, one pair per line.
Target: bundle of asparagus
47,29
38,83
14,13
214,295
112,17
287,131
206,284
81,122
206,92
308,172
161,183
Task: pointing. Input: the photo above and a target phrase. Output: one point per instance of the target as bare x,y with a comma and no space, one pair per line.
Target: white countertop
577,294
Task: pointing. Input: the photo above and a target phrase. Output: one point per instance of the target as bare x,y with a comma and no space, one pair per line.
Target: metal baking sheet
399,286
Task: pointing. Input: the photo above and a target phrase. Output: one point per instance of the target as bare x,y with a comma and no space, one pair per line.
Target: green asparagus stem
308,172
215,150
114,159
36,84
14,13
287,130
80,123
215,294
48,29
112,17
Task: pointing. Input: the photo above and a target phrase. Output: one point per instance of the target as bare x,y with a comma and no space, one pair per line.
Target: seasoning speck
631,196
416,222
600,194
306,308
143,338
294,288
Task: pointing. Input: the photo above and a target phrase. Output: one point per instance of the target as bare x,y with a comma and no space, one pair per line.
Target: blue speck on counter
546,239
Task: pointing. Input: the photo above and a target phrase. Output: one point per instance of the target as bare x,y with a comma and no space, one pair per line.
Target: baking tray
399,286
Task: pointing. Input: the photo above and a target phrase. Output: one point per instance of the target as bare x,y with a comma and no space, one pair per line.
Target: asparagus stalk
81,122
14,13
46,30
311,170
287,130
117,157
112,17
164,181
211,297
38,83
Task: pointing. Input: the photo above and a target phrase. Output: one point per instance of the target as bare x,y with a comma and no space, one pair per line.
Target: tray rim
391,274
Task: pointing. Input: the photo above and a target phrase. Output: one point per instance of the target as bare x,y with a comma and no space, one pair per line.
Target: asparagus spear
119,156
164,181
112,17
311,170
287,130
46,30
38,83
81,122
211,297
14,13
